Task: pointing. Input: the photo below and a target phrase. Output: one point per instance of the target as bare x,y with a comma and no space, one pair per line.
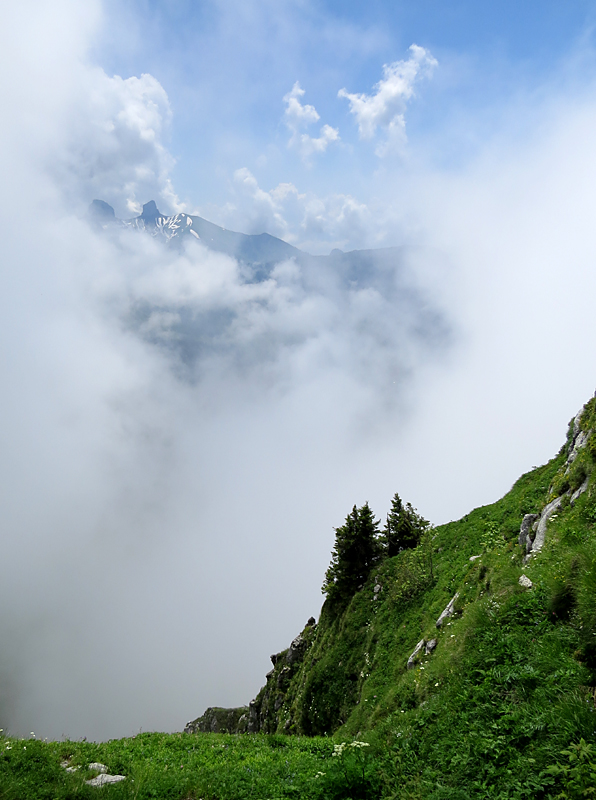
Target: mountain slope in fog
270,296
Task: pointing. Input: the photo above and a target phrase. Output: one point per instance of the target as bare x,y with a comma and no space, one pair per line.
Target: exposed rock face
546,514
414,657
532,533
527,532
220,720
525,582
579,438
267,711
101,212
449,611
150,212
430,646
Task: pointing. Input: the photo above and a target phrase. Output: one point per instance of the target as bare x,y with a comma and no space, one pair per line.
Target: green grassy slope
503,707
165,766
511,681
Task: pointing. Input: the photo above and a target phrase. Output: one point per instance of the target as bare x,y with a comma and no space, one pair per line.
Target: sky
167,526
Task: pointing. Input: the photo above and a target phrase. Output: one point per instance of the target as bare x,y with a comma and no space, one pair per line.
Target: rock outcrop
532,533
546,514
268,710
527,531
448,612
414,657
102,779
220,720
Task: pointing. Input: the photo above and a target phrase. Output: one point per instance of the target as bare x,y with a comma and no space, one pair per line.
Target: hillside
506,681
464,667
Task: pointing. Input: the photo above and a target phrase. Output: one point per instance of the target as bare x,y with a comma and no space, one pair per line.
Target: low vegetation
503,707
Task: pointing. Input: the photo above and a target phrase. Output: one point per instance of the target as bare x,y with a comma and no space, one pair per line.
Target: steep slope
472,658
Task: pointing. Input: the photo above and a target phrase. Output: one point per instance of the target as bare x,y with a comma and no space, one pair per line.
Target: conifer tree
356,550
404,527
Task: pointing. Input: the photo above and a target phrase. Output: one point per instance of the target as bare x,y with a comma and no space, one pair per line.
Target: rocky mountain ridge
174,229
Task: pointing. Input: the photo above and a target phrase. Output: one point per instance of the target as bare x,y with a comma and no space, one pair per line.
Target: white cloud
161,414
298,116
316,224
116,149
385,108
260,211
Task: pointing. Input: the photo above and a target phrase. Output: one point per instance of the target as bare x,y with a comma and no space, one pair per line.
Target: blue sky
227,66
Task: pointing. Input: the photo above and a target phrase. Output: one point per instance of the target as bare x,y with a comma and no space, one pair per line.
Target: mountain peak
100,209
150,211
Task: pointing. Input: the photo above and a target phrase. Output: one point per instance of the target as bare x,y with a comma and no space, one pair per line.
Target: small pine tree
404,527
357,549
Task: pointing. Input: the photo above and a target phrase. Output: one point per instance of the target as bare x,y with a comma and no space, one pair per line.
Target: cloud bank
116,148
179,438
314,223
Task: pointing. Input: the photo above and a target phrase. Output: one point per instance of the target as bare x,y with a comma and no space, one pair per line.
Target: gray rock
97,767
103,779
297,650
254,721
579,491
525,582
526,534
219,720
430,646
412,659
448,612
475,558
546,514
582,438
578,439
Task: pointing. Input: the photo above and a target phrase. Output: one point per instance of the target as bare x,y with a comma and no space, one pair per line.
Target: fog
167,520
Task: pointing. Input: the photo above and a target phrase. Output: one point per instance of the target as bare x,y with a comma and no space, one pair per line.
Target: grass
158,765
503,709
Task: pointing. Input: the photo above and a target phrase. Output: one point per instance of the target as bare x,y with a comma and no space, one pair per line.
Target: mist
179,443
